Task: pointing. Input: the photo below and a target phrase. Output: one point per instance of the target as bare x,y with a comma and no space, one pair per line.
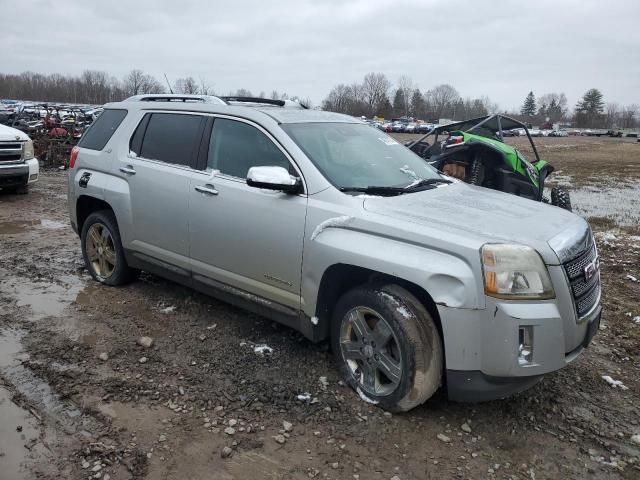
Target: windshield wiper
376,190
425,182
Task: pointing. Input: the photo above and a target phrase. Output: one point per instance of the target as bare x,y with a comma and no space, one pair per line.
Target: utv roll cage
490,126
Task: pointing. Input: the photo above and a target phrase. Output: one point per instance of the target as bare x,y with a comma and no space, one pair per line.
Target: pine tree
590,110
399,103
529,107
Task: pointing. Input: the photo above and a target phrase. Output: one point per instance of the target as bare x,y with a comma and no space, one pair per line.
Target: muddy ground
79,398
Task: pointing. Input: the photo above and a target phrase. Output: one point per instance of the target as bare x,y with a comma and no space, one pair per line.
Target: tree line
97,87
374,96
589,112
377,96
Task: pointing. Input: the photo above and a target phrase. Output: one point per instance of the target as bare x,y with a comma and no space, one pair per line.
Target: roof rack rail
160,97
264,101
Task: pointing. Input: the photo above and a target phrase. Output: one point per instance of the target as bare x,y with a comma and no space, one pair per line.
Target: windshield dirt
351,155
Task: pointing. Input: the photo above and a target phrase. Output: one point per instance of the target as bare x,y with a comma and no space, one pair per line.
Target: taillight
74,155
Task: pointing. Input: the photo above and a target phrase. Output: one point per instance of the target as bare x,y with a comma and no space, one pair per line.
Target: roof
289,112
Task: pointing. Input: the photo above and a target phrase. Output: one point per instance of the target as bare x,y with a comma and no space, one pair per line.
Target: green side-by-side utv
474,151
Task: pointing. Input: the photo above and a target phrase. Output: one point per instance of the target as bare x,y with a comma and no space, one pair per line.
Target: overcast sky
501,49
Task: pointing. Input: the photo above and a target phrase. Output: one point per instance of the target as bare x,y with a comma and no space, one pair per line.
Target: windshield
352,155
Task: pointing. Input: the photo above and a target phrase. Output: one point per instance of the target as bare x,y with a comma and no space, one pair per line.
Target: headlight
27,150
515,272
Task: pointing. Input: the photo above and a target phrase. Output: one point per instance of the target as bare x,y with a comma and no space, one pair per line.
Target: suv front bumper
482,353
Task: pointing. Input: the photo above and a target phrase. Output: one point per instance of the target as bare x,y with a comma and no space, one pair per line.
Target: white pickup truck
18,166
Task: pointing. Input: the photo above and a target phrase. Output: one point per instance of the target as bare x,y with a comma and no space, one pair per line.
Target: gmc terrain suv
18,166
333,228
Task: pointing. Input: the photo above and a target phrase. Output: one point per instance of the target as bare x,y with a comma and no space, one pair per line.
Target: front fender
449,279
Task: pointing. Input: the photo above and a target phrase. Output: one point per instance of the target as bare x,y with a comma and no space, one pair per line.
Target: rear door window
102,129
172,138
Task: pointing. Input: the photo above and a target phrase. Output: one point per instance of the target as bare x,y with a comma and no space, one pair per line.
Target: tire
560,198
100,239
405,370
22,189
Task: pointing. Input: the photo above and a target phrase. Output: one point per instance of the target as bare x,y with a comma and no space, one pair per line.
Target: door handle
208,189
128,169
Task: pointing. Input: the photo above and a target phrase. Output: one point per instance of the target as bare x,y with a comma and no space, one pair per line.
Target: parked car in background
19,167
398,127
410,128
535,132
558,133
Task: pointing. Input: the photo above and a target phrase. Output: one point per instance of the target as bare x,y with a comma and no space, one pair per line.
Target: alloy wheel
101,250
371,351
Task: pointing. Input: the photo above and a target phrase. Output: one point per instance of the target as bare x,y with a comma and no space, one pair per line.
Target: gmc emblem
591,269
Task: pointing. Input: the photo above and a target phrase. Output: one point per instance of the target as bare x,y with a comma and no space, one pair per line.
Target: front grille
585,292
10,152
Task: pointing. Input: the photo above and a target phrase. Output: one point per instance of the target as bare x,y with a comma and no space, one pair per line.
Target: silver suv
333,228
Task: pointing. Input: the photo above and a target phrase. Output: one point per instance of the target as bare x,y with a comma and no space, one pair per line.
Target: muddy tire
560,198
22,189
102,250
387,346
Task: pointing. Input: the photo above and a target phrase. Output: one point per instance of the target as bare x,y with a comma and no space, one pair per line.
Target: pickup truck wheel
102,250
387,346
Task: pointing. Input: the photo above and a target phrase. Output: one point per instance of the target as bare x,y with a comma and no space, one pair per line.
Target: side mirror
273,178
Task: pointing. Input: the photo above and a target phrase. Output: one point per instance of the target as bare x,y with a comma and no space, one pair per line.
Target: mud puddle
19,427
35,391
43,298
21,226
19,433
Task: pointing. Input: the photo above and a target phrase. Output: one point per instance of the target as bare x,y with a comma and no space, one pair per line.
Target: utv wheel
22,189
560,198
387,346
102,250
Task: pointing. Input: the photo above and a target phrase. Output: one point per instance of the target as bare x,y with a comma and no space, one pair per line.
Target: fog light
525,345
33,177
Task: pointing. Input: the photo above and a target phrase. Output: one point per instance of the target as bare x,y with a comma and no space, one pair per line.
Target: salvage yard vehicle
474,151
18,166
333,228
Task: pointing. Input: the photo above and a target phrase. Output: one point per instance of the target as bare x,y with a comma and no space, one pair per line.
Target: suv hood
9,134
487,215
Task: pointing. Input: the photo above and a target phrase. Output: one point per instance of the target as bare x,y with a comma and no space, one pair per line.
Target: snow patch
614,383
273,175
262,349
414,176
402,310
335,222
169,309
636,319
304,397
632,278
365,398
314,320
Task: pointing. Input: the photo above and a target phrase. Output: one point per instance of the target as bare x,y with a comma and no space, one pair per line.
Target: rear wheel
22,189
560,198
102,250
387,346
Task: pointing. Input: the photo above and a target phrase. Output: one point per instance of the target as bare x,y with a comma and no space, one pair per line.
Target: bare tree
375,92
443,99
187,86
137,82
405,85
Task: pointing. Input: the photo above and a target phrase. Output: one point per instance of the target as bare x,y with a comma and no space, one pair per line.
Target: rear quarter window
102,129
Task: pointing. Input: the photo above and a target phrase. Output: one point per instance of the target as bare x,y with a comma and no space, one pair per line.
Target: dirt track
81,416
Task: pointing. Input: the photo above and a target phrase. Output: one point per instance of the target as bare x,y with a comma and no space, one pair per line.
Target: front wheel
560,198
387,346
